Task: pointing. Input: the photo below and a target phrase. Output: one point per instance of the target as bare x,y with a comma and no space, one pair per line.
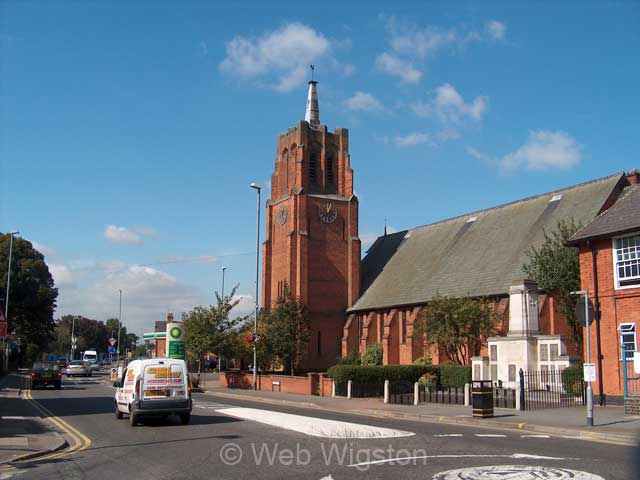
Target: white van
154,387
90,356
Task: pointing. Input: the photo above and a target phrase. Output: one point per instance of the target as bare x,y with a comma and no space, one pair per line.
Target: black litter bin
482,398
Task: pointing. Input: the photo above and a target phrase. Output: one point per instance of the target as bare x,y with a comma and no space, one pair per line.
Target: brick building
312,245
610,272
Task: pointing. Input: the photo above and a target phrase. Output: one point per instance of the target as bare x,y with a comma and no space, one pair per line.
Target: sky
130,131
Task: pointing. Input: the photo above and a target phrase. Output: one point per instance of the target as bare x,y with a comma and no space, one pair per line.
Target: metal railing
401,392
504,397
440,394
540,389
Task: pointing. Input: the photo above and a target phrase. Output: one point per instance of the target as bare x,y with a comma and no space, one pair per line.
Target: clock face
327,213
282,215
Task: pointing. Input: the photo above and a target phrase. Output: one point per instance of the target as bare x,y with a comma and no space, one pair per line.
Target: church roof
622,217
480,253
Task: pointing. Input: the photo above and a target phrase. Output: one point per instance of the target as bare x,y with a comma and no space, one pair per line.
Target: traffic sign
112,341
114,374
112,350
589,372
580,312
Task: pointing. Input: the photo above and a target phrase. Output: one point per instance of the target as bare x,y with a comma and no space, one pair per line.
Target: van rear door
164,380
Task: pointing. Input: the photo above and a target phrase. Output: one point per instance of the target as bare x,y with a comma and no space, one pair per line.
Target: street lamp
255,320
223,269
6,300
586,321
119,325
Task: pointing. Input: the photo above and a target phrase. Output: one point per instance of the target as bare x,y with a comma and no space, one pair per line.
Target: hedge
452,375
341,374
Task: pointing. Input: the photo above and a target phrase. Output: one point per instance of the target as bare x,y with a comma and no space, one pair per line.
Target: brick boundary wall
312,384
632,406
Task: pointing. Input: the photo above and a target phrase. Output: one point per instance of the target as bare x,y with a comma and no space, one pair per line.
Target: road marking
535,436
315,427
521,472
448,435
420,457
80,441
10,417
490,435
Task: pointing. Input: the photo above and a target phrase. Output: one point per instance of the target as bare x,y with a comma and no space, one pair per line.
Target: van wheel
185,417
133,420
118,413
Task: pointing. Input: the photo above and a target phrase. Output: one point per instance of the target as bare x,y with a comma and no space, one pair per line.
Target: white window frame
628,328
614,258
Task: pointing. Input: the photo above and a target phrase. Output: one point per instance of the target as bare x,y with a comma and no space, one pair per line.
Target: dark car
62,361
46,373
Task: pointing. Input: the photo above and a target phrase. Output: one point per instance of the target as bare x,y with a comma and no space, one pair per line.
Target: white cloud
421,42
62,275
449,106
204,49
418,138
284,53
397,67
364,102
496,29
544,150
127,236
43,249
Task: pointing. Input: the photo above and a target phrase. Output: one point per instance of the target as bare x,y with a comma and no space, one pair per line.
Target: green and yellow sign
175,340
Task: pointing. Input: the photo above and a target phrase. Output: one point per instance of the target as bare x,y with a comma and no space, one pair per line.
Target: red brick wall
309,385
616,306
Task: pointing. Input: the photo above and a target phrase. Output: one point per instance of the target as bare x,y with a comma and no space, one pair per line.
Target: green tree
91,334
457,325
287,330
32,296
556,269
372,355
209,329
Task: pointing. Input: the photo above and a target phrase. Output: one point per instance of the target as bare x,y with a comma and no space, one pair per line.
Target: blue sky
130,131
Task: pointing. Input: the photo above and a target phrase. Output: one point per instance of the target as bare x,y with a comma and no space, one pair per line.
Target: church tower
312,242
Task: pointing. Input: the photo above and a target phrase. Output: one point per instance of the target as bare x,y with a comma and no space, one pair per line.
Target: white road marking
315,427
521,472
490,435
448,435
420,457
535,436
15,417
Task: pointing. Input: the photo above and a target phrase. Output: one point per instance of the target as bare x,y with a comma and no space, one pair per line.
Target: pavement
611,425
274,438
24,432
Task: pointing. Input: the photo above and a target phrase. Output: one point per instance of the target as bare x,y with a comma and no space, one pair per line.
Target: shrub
341,374
352,359
572,379
373,355
423,361
452,375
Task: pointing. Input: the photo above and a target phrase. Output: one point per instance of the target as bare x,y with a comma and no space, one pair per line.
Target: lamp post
6,300
223,269
220,356
588,327
119,325
255,320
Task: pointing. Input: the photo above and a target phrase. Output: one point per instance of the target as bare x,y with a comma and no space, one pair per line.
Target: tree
287,330
32,296
209,329
556,269
372,355
457,325
91,334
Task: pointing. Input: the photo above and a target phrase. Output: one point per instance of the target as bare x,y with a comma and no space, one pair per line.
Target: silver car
78,367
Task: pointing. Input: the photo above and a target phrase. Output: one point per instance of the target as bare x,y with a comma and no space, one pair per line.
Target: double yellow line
79,441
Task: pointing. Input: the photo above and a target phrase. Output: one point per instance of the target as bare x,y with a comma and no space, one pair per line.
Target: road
231,439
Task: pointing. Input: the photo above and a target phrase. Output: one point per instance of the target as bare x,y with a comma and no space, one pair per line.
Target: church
312,245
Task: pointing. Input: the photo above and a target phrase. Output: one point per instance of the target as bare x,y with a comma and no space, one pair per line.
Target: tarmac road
231,439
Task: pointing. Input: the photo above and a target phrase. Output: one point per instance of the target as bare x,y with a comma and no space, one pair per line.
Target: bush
373,355
341,374
423,361
572,379
452,375
352,359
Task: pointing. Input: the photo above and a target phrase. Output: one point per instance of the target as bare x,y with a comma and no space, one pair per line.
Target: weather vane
313,69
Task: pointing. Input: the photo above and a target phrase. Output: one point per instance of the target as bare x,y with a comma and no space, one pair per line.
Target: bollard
416,393
333,388
349,389
467,389
386,391
518,399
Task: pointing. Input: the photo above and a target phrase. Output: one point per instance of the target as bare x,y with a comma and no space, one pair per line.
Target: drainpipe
596,301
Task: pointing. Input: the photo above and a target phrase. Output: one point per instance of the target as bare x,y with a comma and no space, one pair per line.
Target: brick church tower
312,239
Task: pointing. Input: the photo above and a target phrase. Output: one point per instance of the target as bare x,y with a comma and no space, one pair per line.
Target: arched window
285,160
330,174
314,160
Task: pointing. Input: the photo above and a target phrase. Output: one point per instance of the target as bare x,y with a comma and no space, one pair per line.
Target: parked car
46,373
95,366
78,367
62,361
155,387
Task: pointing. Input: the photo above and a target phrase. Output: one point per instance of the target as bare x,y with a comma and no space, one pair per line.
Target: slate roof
623,216
457,257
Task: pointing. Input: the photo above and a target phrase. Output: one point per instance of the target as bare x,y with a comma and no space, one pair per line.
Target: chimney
170,317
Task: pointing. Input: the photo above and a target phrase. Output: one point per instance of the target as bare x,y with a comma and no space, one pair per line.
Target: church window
313,168
627,261
404,326
329,170
381,323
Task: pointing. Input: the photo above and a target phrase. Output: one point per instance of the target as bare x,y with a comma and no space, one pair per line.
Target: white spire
312,114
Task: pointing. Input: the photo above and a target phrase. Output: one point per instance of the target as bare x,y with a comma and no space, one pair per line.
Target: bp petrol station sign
175,340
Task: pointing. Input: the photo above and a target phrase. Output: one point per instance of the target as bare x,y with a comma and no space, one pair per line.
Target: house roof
622,217
465,257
